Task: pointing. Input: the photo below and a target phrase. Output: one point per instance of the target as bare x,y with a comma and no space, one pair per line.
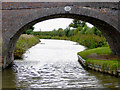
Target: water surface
54,64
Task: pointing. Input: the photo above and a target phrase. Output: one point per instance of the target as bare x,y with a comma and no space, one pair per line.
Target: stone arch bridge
18,16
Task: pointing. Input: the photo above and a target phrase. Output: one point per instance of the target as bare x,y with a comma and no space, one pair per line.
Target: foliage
29,31
113,63
90,41
25,42
89,37
44,37
77,23
93,30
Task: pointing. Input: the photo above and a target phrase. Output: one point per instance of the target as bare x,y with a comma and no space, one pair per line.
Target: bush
24,43
90,41
29,31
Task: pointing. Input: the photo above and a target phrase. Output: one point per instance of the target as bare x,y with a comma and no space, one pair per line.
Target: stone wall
18,16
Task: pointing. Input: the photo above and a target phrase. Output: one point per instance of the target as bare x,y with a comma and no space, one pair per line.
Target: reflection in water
8,79
54,65
106,80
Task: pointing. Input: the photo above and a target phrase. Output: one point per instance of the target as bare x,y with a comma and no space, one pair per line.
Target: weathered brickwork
17,17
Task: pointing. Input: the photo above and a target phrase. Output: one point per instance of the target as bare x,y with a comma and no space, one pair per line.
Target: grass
24,43
99,51
111,63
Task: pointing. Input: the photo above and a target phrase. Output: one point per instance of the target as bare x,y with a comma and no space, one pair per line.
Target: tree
67,30
75,31
84,29
60,31
97,32
29,31
77,23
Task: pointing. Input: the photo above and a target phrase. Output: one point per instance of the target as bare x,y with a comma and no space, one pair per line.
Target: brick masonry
18,16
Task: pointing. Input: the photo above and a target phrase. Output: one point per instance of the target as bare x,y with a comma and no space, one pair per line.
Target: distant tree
71,32
75,31
93,30
84,29
66,31
31,28
60,31
83,23
89,31
96,31
36,33
29,31
77,23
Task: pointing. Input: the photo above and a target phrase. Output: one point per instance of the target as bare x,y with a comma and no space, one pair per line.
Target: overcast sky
51,24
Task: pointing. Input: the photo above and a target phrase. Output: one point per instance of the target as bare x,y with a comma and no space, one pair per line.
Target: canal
54,64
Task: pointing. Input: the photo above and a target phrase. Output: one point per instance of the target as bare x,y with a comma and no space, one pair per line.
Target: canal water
54,64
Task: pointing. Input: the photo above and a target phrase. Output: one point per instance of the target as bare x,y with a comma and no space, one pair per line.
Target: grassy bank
24,43
101,56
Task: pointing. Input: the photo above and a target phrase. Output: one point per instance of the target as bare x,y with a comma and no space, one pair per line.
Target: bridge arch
105,22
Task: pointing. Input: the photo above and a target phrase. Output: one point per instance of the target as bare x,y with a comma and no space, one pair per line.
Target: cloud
52,24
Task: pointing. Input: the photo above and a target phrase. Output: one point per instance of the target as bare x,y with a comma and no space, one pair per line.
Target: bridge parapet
32,5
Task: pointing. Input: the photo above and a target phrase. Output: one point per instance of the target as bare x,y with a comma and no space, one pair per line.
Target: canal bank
23,44
101,60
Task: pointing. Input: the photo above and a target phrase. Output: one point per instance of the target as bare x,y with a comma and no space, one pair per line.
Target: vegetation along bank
77,31
25,42
100,59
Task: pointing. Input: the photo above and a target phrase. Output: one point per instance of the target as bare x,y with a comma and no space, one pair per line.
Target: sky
52,24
